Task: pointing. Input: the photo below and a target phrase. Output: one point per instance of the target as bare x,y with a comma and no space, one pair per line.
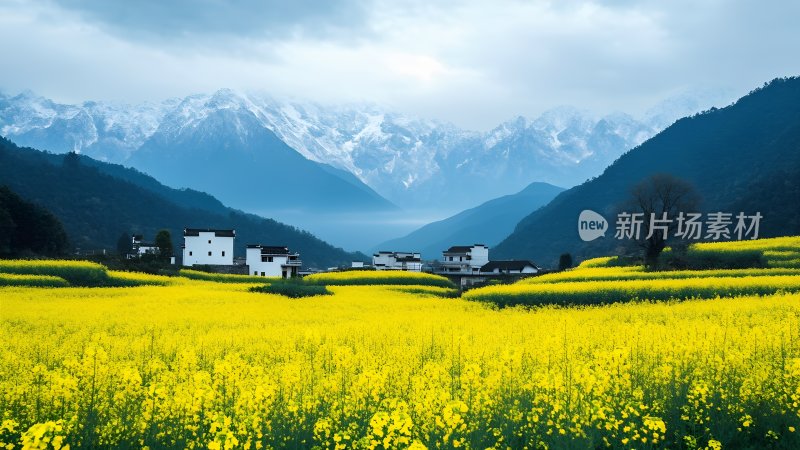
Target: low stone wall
231,270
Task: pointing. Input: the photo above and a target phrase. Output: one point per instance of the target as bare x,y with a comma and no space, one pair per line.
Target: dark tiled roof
395,254
217,233
506,265
274,250
270,249
462,248
408,259
459,249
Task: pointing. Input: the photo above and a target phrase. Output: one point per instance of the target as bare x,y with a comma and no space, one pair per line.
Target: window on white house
223,253
262,274
209,241
209,253
190,253
269,259
255,272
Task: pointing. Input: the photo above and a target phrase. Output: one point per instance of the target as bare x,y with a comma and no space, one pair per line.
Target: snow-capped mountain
104,130
412,162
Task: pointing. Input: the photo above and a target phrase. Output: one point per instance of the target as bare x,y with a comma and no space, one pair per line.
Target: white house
465,259
267,261
207,246
509,267
408,261
139,247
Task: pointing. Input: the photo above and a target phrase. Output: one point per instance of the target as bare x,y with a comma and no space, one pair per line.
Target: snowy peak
107,131
410,161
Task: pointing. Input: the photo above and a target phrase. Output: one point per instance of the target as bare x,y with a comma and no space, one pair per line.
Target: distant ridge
487,223
726,153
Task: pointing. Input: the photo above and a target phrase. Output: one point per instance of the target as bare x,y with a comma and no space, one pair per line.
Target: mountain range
741,158
255,152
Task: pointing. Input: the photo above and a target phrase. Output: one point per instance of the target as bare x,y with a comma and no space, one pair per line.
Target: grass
293,288
384,278
223,277
434,291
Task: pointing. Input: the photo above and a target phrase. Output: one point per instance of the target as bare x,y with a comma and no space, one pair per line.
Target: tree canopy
27,229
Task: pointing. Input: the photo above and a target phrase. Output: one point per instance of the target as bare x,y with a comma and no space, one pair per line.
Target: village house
408,261
270,261
208,247
465,259
139,247
509,267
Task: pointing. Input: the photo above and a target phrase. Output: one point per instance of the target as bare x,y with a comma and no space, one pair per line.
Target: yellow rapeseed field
628,273
203,365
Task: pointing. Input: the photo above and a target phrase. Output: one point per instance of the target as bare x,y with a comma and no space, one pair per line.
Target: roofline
218,232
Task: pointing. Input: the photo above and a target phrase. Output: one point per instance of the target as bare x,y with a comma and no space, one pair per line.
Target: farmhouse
408,261
509,267
139,247
208,247
268,261
465,259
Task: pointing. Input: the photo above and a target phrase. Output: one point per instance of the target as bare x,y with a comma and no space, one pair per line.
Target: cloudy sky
473,62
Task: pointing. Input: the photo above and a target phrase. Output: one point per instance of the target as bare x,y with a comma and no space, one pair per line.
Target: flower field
178,363
8,279
622,290
601,281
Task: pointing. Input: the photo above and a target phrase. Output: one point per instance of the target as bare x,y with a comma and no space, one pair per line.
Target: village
213,250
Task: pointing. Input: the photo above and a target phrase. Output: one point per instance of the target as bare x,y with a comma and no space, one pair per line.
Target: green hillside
736,157
97,202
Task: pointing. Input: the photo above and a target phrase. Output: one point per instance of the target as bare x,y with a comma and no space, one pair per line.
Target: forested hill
97,202
736,157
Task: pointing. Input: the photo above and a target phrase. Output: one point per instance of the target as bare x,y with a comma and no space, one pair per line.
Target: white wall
196,249
144,249
388,261
264,268
385,259
480,256
414,267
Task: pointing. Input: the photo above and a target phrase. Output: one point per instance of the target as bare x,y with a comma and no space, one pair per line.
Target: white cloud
474,63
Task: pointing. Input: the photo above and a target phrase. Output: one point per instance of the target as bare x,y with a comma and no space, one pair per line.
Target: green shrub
223,277
381,277
293,287
705,259
428,290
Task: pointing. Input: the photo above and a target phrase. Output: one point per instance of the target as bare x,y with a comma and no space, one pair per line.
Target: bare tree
663,200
